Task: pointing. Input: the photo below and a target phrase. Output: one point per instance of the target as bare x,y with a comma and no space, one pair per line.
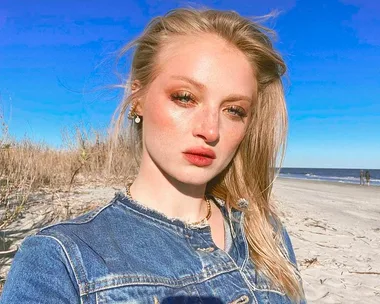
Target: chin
195,178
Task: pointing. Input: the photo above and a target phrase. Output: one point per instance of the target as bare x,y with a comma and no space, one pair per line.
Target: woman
196,225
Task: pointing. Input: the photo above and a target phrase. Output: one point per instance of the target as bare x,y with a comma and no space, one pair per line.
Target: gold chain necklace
206,218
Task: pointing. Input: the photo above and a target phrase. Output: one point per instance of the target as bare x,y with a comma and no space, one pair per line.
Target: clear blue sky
53,54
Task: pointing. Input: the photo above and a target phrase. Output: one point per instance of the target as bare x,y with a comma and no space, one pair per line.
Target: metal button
208,249
241,300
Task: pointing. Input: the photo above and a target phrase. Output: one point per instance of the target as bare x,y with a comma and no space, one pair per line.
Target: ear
138,107
135,87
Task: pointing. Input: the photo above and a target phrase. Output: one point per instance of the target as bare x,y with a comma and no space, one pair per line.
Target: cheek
234,136
157,115
163,123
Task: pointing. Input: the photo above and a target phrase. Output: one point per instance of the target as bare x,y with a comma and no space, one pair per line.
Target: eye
184,97
236,111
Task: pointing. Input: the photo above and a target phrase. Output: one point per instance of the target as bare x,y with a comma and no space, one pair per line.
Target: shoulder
285,242
78,238
288,246
86,223
40,273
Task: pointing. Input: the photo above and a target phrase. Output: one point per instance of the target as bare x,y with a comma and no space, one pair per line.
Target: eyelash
186,98
180,96
238,111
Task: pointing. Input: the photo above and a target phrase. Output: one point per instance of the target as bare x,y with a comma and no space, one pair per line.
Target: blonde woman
196,225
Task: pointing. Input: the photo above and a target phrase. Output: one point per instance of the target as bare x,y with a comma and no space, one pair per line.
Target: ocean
347,176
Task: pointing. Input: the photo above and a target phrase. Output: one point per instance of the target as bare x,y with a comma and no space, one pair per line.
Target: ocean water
347,176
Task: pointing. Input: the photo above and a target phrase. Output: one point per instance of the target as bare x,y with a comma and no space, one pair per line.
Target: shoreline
328,182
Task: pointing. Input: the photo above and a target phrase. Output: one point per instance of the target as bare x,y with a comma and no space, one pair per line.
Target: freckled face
198,103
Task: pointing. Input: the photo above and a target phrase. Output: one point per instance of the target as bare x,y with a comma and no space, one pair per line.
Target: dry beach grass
39,185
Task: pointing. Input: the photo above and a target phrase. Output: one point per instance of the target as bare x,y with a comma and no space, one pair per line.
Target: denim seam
244,278
244,241
174,285
285,251
249,285
68,259
91,215
254,286
270,290
172,226
163,280
178,230
75,262
246,258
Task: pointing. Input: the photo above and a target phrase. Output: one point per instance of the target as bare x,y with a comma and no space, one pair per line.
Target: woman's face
196,111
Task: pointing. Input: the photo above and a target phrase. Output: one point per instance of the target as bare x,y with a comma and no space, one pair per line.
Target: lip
200,157
205,152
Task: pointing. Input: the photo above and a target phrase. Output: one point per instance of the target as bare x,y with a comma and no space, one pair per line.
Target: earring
137,119
132,115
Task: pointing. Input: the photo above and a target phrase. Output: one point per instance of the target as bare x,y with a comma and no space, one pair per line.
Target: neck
155,190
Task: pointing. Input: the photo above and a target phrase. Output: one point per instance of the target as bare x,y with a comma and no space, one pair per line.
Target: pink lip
199,156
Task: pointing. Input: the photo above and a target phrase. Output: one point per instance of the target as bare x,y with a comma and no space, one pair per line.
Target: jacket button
241,300
208,249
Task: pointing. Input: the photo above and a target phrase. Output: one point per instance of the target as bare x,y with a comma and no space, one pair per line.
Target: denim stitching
178,230
169,283
75,262
244,241
91,215
241,270
67,257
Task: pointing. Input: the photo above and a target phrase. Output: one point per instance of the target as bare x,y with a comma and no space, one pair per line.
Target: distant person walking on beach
367,177
361,177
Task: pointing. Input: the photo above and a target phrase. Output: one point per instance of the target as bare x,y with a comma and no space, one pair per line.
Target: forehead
210,60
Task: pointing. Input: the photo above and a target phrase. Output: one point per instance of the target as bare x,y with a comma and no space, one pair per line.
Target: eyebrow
202,87
195,83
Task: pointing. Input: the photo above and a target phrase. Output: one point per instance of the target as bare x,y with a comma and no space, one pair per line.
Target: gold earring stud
132,115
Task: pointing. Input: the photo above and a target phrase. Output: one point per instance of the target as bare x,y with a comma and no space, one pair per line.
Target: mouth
200,157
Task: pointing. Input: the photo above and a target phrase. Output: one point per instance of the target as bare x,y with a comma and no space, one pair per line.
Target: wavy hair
252,171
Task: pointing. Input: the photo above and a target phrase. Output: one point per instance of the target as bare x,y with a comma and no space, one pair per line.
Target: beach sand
335,230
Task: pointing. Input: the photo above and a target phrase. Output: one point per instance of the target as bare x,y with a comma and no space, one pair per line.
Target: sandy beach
335,229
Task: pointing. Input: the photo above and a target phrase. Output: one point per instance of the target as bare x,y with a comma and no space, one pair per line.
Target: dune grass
27,166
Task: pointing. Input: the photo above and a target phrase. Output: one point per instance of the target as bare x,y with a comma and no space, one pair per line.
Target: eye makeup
237,111
186,99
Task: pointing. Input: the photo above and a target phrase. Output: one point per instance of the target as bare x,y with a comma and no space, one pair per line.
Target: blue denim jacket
125,253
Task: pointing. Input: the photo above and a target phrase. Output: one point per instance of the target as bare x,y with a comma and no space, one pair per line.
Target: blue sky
56,57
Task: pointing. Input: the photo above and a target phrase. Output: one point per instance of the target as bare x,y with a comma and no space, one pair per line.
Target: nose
206,125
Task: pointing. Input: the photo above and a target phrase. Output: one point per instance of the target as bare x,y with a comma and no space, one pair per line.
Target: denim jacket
126,253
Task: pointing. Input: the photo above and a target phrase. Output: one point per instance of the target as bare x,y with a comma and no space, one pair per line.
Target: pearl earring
132,115
137,119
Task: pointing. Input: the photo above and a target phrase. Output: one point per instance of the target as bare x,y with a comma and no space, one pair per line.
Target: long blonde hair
253,169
